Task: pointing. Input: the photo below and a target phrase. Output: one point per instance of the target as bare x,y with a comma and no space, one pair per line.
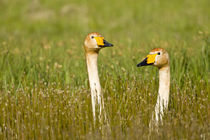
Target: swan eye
92,37
158,53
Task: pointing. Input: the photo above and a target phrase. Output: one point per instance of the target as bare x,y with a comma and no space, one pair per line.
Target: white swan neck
92,67
163,92
164,83
91,59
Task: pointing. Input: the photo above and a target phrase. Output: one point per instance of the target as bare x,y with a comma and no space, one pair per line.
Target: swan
93,43
159,57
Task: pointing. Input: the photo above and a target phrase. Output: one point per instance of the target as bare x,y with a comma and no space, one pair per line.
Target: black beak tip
143,63
107,44
138,65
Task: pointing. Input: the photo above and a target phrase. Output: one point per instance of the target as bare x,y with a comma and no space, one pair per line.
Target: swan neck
91,60
164,84
163,92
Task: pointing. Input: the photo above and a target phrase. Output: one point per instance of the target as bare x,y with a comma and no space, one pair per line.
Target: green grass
44,91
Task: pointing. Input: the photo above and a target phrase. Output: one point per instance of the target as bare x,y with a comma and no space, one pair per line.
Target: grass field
44,89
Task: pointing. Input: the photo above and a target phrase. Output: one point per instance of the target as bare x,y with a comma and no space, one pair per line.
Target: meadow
44,89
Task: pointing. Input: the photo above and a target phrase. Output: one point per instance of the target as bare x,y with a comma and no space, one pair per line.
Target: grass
44,91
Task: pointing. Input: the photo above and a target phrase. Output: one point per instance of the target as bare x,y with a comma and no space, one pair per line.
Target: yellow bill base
151,58
100,40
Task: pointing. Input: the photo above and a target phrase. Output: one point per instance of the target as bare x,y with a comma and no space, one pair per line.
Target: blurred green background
43,70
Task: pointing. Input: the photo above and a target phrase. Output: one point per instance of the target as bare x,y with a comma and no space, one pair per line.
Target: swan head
94,42
157,57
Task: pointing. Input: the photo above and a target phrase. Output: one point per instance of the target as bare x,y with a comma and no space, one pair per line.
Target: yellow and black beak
102,43
149,60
